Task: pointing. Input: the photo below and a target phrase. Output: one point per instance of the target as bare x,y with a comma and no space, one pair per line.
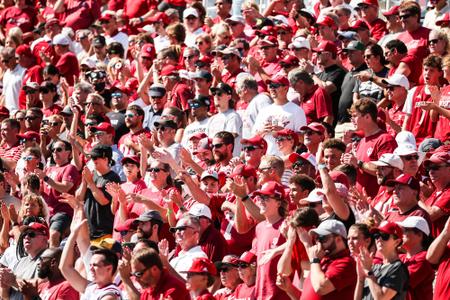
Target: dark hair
148,257
329,128
348,170
305,217
300,74
198,6
377,51
149,244
137,109
110,258
227,137
306,182
67,145
35,151
98,118
365,230
365,106
178,31
117,48
51,70
171,53
335,144
244,42
37,111
397,45
411,8
13,123
433,61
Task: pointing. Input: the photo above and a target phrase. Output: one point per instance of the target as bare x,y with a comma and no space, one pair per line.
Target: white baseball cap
415,222
200,210
397,80
407,149
328,227
316,195
389,160
405,137
209,173
300,42
61,39
190,11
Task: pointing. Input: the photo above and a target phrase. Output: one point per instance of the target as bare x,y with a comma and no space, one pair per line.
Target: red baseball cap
126,226
268,40
389,228
267,30
405,179
159,17
369,2
204,145
314,126
169,70
359,24
4,111
326,46
247,257
326,21
105,127
30,135
305,156
287,132
202,265
392,12
131,158
280,79
53,21
42,228
290,60
244,171
107,15
444,20
337,177
148,50
257,141
273,189
438,157
198,135
24,50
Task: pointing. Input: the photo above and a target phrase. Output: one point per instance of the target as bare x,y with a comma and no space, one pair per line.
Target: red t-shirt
416,42
237,243
137,8
134,138
213,244
341,271
168,287
439,199
68,67
15,17
377,28
396,216
271,68
61,290
371,148
268,236
421,276
52,110
230,78
80,14
443,124
67,173
244,292
317,105
33,74
420,122
442,286
180,96
415,65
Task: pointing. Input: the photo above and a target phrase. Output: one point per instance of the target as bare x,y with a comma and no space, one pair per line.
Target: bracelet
141,19
245,198
321,166
315,260
360,164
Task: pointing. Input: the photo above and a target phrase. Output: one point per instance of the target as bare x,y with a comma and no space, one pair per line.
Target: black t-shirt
347,223
346,99
118,122
334,74
394,276
100,217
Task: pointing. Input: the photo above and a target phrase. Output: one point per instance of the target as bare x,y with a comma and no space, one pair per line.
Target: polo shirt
396,216
421,276
341,271
168,287
183,262
439,199
317,105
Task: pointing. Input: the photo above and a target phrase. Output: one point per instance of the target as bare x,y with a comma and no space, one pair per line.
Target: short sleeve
407,108
396,277
342,273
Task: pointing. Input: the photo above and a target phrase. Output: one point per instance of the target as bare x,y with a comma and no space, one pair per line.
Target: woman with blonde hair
438,42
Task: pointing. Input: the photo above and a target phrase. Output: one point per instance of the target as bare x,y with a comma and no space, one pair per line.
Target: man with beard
332,270
55,287
134,117
222,148
148,225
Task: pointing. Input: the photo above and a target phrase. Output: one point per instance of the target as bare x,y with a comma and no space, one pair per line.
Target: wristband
322,166
370,273
245,198
360,164
315,260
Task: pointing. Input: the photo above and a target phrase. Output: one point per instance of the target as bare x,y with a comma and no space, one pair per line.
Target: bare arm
59,6
284,264
439,245
338,204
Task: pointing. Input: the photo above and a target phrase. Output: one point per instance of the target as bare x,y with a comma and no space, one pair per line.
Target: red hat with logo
326,21
290,60
159,17
198,136
148,50
169,70
202,265
107,15
256,141
314,126
244,170
369,2
134,159
105,127
289,133
30,135
405,179
444,20
438,157
248,257
272,189
41,228
392,12
305,156
280,79
326,46
359,24
267,30
389,228
268,40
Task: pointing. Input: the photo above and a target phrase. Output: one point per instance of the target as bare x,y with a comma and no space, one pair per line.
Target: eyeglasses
89,124
368,56
411,157
433,41
190,18
31,234
435,167
30,118
384,236
219,145
402,17
58,149
130,115
274,86
116,95
283,138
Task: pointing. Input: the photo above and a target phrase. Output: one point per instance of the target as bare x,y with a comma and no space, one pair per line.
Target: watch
245,198
370,273
322,166
46,178
360,164
315,260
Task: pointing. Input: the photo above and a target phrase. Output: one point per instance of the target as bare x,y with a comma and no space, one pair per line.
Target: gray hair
299,74
85,87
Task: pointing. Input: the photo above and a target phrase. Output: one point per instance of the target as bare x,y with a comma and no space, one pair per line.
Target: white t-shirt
249,116
288,116
193,128
12,83
93,292
191,37
120,37
161,42
227,121
183,262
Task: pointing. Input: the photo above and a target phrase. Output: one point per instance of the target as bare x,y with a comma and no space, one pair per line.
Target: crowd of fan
149,151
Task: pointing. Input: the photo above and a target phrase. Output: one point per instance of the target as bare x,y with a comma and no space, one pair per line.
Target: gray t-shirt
26,268
394,276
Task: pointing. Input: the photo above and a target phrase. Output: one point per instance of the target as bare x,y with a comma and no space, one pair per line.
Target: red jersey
60,290
370,148
268,236
230,78
317,105
68,67
134,138
420,122
168,287
80,14
377,28
439,199
442,288
33,74
416,42
13,16
52,110
341,271
421,276
443,124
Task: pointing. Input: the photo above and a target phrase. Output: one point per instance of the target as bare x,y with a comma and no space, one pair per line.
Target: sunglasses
28,158
382,235
31,234
434,41
411,157
44,90
435,167
138,274
250,148
219,145
281,32
298,164
154,170
30,118
161,128
226,57
368,56
116,95
195,105
30,92
58,150
274,86
199,43
180,228
225,269
218,94
264,169
88,124
243,265
130,116
55,123
283,138
190,57
323,238
402,17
